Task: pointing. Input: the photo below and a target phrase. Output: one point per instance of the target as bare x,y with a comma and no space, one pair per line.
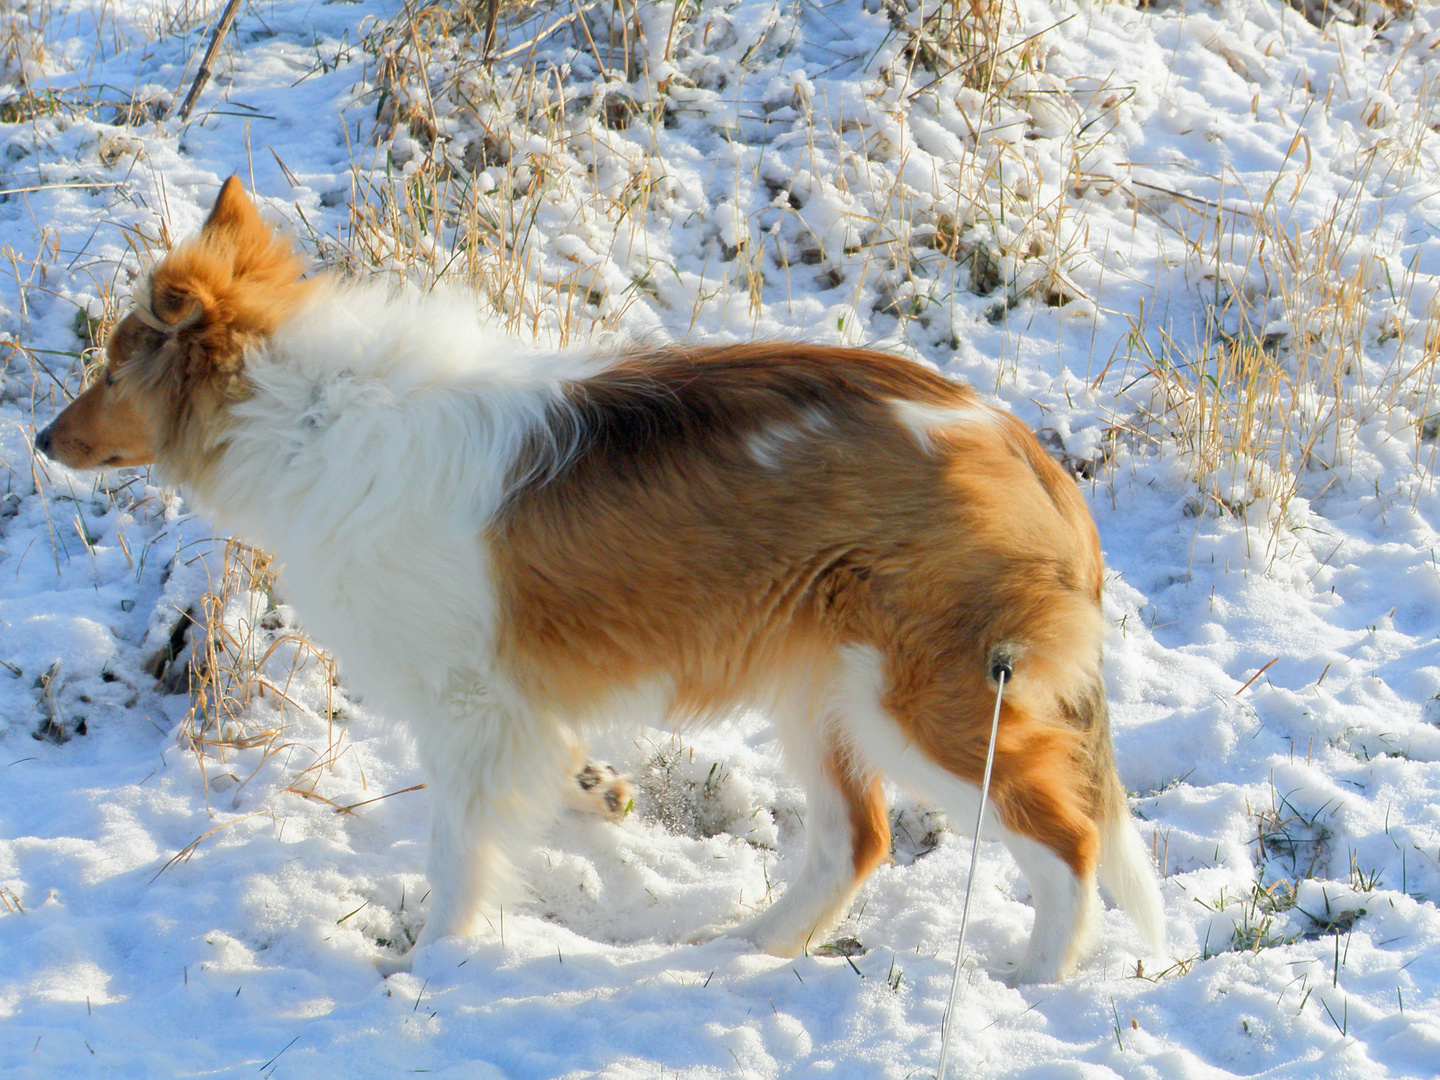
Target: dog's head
176,361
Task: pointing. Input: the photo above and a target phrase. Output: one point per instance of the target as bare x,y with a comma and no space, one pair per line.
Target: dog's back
847,540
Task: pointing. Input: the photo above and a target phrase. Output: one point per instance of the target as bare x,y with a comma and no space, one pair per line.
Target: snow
1141,197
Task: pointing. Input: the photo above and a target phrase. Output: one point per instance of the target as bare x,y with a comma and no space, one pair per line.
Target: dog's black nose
42,442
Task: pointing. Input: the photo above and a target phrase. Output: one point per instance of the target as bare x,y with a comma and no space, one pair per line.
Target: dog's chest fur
371,458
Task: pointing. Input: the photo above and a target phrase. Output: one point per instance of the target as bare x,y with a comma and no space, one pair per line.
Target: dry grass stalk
185,853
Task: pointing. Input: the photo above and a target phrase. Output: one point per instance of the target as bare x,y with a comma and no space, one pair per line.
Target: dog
506,547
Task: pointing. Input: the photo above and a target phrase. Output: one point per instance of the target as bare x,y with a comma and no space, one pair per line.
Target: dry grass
250,674
472,160
482,157
957,38
1375,12
169,18
1309,337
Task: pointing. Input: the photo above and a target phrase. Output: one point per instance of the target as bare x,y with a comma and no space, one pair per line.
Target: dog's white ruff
381,433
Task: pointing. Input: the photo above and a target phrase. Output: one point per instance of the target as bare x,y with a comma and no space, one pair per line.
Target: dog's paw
599,789
1005,972
1026,972
704,934
389,964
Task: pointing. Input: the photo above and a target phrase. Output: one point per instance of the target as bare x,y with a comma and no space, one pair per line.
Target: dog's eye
110,376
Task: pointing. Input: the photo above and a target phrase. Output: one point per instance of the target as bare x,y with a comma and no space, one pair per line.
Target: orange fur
864,537
865,806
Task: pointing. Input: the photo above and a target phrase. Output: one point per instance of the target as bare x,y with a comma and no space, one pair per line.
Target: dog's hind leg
847,834
1038,813
1038,798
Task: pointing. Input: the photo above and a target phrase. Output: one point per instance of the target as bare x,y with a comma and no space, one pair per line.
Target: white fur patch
772,444
924,421
816,896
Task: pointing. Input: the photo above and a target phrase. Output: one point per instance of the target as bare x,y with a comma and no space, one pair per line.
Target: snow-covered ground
1193,244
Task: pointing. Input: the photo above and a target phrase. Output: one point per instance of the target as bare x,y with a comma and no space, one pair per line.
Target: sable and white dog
505,547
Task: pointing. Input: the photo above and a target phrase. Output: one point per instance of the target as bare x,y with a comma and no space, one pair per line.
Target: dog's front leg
461,867
493,775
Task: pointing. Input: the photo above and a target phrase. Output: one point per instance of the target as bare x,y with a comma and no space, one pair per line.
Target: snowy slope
1193,244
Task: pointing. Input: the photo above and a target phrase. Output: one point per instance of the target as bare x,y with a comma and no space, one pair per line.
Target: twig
367,802
492,14
203,75
58,187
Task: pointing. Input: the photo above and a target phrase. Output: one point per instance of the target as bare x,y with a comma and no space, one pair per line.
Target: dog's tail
1126,869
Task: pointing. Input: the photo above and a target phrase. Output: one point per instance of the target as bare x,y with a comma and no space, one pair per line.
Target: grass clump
251,674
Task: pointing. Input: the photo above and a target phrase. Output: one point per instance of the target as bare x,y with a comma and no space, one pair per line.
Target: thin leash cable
1001,672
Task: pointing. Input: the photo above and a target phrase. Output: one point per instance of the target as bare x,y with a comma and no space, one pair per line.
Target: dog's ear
233,211
233,283
235,228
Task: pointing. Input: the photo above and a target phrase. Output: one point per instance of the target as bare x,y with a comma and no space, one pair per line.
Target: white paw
1029,973
389,964
769,935
704,934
